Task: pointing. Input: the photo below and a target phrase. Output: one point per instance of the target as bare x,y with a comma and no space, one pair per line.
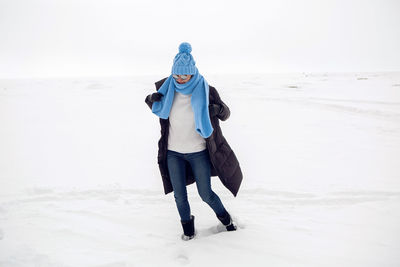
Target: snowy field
79,182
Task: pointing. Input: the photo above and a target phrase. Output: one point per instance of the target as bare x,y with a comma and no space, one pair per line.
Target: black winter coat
224,163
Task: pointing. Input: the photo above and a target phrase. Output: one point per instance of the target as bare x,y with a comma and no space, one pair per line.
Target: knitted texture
183,61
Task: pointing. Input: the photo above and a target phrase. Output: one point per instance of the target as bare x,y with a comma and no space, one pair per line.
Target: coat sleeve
224,113
148,101
148,98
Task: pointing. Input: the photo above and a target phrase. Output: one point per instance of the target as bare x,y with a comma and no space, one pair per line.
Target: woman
192,147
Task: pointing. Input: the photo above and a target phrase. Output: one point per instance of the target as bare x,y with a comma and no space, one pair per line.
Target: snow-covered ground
79,183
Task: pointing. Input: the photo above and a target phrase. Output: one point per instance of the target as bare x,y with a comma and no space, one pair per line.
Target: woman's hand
156,97
214,109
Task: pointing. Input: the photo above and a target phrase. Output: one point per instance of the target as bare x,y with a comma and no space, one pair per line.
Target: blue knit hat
183,61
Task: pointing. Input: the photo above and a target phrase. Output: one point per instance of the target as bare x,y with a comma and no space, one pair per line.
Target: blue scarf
197,86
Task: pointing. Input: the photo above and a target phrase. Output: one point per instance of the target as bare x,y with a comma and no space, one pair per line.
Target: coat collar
159,83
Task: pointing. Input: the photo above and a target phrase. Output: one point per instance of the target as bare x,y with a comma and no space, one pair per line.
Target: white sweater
182,136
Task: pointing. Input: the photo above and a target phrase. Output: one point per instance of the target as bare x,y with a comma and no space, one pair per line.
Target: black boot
188,229
227,221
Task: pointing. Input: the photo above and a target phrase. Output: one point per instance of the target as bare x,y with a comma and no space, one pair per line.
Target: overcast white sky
44,38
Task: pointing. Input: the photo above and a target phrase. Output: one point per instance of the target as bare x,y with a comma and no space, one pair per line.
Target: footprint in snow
182,259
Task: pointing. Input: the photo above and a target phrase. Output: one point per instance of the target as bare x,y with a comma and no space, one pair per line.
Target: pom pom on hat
185,48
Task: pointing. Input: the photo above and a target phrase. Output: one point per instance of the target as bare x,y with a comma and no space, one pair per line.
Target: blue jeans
201,167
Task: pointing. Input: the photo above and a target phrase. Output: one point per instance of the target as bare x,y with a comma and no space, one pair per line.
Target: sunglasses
183,77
